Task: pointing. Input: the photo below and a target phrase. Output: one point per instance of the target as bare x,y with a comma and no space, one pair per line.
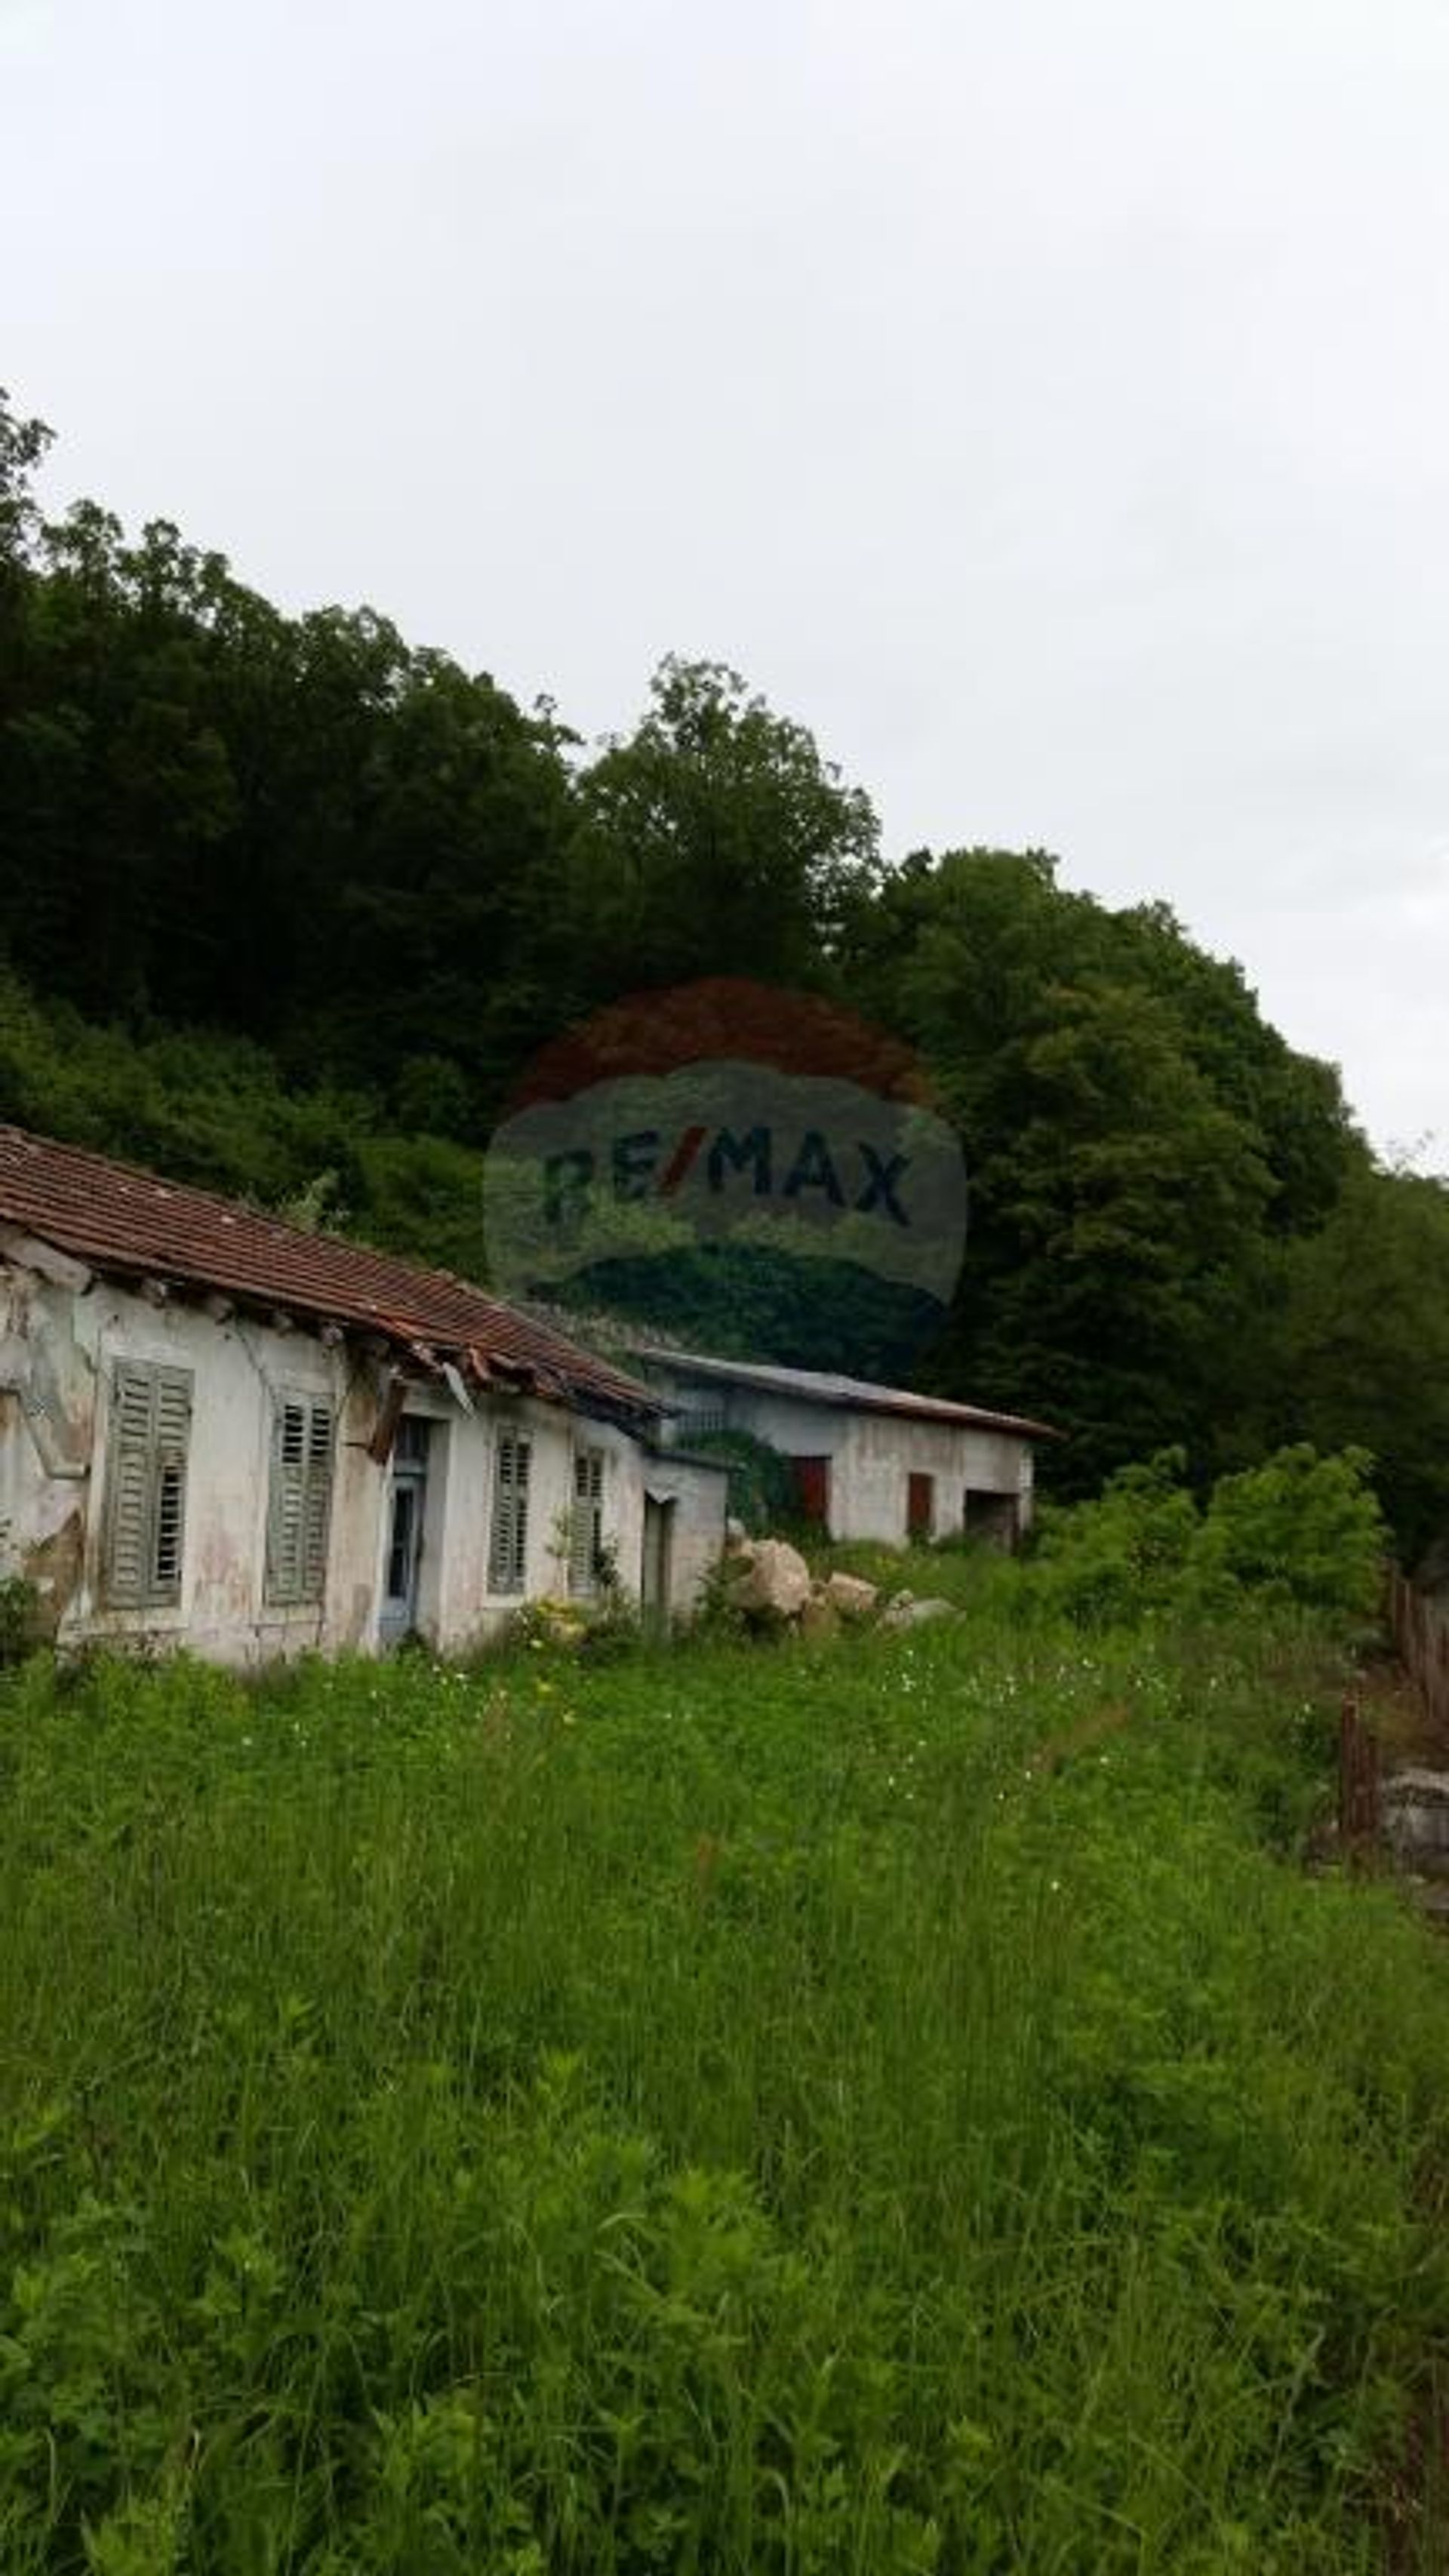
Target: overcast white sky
1048,403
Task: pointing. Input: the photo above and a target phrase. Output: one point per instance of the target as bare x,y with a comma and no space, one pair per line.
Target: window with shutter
508,1550
145,1530
586,1521
299,1513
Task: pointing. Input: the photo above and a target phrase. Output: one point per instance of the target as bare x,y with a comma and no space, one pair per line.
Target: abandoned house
869,1462
222,1431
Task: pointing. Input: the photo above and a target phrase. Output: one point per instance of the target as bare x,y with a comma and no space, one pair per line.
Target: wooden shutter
586,1519
508,1551
299,1510
129,1473
173,1438
317,1516
284,1507
150,1435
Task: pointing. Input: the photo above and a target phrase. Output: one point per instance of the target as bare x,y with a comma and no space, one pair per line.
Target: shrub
761,1488
603,1624
1124,1552
1299,1528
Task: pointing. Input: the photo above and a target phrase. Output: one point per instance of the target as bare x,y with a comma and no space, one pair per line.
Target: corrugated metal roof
821,1386
130,1223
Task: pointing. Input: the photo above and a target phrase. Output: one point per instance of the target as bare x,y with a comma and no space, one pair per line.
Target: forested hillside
286,903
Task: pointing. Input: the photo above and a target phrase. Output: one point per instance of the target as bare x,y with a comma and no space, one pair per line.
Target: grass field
891,2106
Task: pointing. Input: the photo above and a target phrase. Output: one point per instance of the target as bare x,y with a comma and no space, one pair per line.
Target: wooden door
920,1506
812,1490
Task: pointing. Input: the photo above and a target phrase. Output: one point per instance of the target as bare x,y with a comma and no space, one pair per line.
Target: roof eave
959,1417
620,1400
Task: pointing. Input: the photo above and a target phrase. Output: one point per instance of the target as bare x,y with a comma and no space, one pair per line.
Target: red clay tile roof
129,1223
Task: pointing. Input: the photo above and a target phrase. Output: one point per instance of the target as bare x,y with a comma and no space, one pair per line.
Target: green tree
301,829
715,839
23,446
1122,1204
1138,1140
1357,1341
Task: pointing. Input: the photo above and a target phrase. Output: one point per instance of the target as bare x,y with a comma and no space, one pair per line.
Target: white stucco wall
871,1454
879,1452
58,1346
698,1497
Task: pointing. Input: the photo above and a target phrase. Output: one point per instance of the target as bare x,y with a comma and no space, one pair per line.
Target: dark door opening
920,1506
994,1518
812,1490
656,1568
407,1490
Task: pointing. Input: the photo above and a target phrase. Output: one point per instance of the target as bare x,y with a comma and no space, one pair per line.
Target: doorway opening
656,1566
993,1518
407,1494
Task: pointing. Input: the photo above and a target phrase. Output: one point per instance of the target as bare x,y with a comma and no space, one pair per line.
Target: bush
1300,1530
602,1624
761,1487
1125,1552
19,1618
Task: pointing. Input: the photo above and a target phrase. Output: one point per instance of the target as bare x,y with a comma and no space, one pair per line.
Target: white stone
906,1612
775,1583
851,1595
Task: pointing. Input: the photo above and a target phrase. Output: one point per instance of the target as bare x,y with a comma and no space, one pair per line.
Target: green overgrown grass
885,2107
966,1572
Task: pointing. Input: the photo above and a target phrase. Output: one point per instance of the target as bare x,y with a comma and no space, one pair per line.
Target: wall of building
47,1421
58,1346
879,1452
697,1495
872,1455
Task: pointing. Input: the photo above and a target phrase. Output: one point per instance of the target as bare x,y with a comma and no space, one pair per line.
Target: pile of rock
1414,1806
769,1582
1414,1826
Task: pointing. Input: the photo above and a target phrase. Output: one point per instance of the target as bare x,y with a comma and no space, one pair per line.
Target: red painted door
920,1506
812,1489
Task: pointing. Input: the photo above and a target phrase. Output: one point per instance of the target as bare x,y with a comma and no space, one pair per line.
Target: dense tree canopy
716,816
1139,1141
286,902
